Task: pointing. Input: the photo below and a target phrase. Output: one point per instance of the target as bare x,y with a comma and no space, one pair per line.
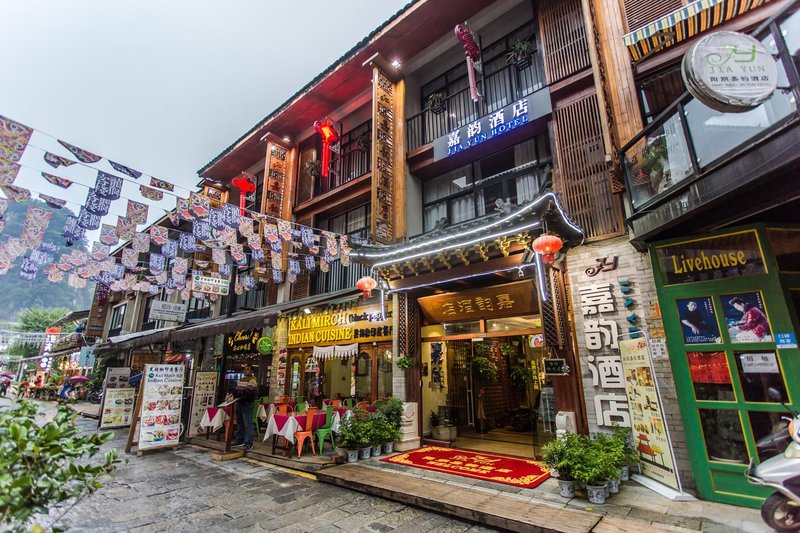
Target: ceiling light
307,310
395,63
287,139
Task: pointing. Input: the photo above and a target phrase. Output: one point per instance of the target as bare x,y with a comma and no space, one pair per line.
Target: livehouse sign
495,124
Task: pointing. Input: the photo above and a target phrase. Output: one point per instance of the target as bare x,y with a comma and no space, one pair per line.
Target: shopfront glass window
515,323
337,378
724,438
770,431
385,374
758,372
363,377
294,389
711,376
461,328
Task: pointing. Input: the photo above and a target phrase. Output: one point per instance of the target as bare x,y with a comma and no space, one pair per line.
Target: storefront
245,347
510,407
730,303
338,351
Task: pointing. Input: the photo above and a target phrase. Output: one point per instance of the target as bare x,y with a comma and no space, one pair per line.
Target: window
117,317
658,91
516,174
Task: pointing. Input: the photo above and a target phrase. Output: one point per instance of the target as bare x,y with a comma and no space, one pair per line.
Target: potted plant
405,362
614,451
364,141
314,168
349,437
436,103
392,435
521,376
379,433
484,372
560,454
593,463
630,455
520,54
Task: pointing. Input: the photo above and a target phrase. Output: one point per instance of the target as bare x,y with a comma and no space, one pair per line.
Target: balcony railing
354,163
499,89
688,139
339,277
113,332
149,325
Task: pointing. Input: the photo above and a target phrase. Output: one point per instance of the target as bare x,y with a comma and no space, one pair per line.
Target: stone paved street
185,490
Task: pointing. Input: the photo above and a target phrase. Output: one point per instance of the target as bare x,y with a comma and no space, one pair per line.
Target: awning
134,340
266,316
684,24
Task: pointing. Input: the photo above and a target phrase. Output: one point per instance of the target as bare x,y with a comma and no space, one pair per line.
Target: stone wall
593,305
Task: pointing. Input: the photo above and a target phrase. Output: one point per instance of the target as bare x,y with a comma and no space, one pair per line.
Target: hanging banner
151,194
161,184
52,201
647,413
16,194
137,212
161,406
108,186
14,138
128,171
56,161
96,204
203,394
84,156
117,409
8,172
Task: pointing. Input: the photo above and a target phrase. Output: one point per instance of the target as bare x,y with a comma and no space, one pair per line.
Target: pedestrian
246,391
4,386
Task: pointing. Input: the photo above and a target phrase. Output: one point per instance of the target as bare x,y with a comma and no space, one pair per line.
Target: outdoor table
215,417
286,425
266,410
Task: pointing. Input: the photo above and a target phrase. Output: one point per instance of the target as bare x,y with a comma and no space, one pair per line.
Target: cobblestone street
185,490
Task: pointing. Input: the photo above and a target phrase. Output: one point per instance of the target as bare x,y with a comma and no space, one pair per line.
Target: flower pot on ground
594,461
613,485
624,439
364,453
597,493
625,473
566,487
351,436
352,456
436,103
388,447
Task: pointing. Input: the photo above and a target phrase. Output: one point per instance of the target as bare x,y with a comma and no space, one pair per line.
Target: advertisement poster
161,406
117,377
746,317
281,376
117,408
647,421
205,389
698,320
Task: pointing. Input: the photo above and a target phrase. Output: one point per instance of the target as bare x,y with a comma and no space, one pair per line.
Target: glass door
460,396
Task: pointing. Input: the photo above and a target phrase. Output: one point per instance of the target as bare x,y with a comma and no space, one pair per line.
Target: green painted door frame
719,478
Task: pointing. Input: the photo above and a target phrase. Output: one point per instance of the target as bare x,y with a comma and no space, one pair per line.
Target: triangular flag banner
157,263
277,260
159,235
285,230
201,230
151,194
72,230
161,184
130,257
14,138
170,249
95,204
16,194
128,171
137,212
218,256
83,156
56,161
126,228
182,207
141,242
231,215
200,204
257,255
108,186
237,253
64,183
8,172
55,203
186,242
100,251
310,264
109,235
246,226
216,218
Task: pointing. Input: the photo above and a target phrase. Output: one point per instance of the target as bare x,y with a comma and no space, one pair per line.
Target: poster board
205,390
117,377
160,414
117,411
650,434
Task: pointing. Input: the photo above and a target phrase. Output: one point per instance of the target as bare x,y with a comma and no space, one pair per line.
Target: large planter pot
388,447
341,452
376,450
352,456
447,433
567,488
625,473
364,453
597,494
613,486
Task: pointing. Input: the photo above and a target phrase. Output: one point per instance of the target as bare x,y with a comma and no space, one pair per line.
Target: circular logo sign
264,345
730,71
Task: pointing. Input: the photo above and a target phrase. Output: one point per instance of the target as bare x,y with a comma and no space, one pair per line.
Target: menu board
205,389
117,377
117,408
647,418
161,406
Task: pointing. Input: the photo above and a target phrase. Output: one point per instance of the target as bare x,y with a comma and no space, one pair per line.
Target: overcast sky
163,86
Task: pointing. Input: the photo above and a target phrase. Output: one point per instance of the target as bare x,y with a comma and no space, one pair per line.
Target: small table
217,417
286,425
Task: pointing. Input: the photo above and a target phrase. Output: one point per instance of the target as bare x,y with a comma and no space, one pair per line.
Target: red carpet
496,468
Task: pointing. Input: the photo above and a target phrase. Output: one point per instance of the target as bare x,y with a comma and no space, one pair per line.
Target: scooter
781,510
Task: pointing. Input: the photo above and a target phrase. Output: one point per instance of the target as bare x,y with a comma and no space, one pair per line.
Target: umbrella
78,379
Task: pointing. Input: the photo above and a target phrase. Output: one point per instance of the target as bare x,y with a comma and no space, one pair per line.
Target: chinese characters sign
161,406
242,341
383,157
511,299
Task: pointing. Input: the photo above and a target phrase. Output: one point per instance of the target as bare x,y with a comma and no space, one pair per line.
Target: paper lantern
366,284
327,131
547,246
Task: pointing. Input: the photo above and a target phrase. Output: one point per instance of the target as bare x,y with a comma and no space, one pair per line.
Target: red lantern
245,187
327,131
366,284
547,246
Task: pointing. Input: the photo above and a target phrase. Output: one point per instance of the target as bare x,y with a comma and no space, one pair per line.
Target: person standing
246,392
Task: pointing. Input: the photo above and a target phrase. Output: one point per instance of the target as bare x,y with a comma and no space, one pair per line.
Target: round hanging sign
729,71
264,345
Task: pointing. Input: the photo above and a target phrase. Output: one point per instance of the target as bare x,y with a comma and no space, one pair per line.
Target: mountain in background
18,294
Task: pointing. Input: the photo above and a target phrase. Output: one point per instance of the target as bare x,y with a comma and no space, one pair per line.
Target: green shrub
45,465
483,370
625,437
353,432
392,410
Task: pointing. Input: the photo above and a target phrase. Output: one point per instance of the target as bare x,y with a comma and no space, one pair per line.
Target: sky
162,86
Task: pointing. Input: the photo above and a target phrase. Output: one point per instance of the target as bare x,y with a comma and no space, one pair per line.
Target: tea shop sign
358,324
511,299
243,341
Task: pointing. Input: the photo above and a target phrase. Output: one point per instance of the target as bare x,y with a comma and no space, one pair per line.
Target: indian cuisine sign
161,406
359,324
726,256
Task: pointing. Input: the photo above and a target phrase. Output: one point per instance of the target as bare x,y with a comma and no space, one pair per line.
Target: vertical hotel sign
384,94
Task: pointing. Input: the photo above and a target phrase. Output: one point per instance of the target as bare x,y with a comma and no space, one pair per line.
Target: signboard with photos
162,398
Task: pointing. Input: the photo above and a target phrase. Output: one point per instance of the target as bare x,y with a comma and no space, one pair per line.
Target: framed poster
117,377
746,317
205,389
698,320
161,406
117,409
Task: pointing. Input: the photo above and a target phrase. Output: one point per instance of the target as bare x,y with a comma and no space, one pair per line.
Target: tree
38,318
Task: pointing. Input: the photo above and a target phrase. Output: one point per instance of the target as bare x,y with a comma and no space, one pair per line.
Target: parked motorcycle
95,395
781,510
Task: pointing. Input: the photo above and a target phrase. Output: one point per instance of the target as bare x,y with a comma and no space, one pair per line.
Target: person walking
246,392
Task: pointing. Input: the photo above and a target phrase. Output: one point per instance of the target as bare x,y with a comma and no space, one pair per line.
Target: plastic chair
282,408
326,430
335,403
301,436
300,398
283,399
300,407
349,403
363,405
379,403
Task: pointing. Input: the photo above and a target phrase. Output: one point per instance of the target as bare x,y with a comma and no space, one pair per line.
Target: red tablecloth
286,425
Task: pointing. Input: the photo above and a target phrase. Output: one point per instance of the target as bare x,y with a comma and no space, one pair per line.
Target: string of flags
212,248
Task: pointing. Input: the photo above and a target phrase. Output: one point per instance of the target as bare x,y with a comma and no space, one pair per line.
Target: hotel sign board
344,326
510,299
493,125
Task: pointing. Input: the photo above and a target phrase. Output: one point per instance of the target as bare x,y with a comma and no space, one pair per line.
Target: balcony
197,314
499,89
354,163
147,326
691,156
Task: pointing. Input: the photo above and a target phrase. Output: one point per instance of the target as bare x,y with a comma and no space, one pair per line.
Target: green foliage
481,349
353,433
434,100
38,318
521,376
19,294
625,438
553,453
405,362
483,370
594,460
392,410
521,48
508,350
44,465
